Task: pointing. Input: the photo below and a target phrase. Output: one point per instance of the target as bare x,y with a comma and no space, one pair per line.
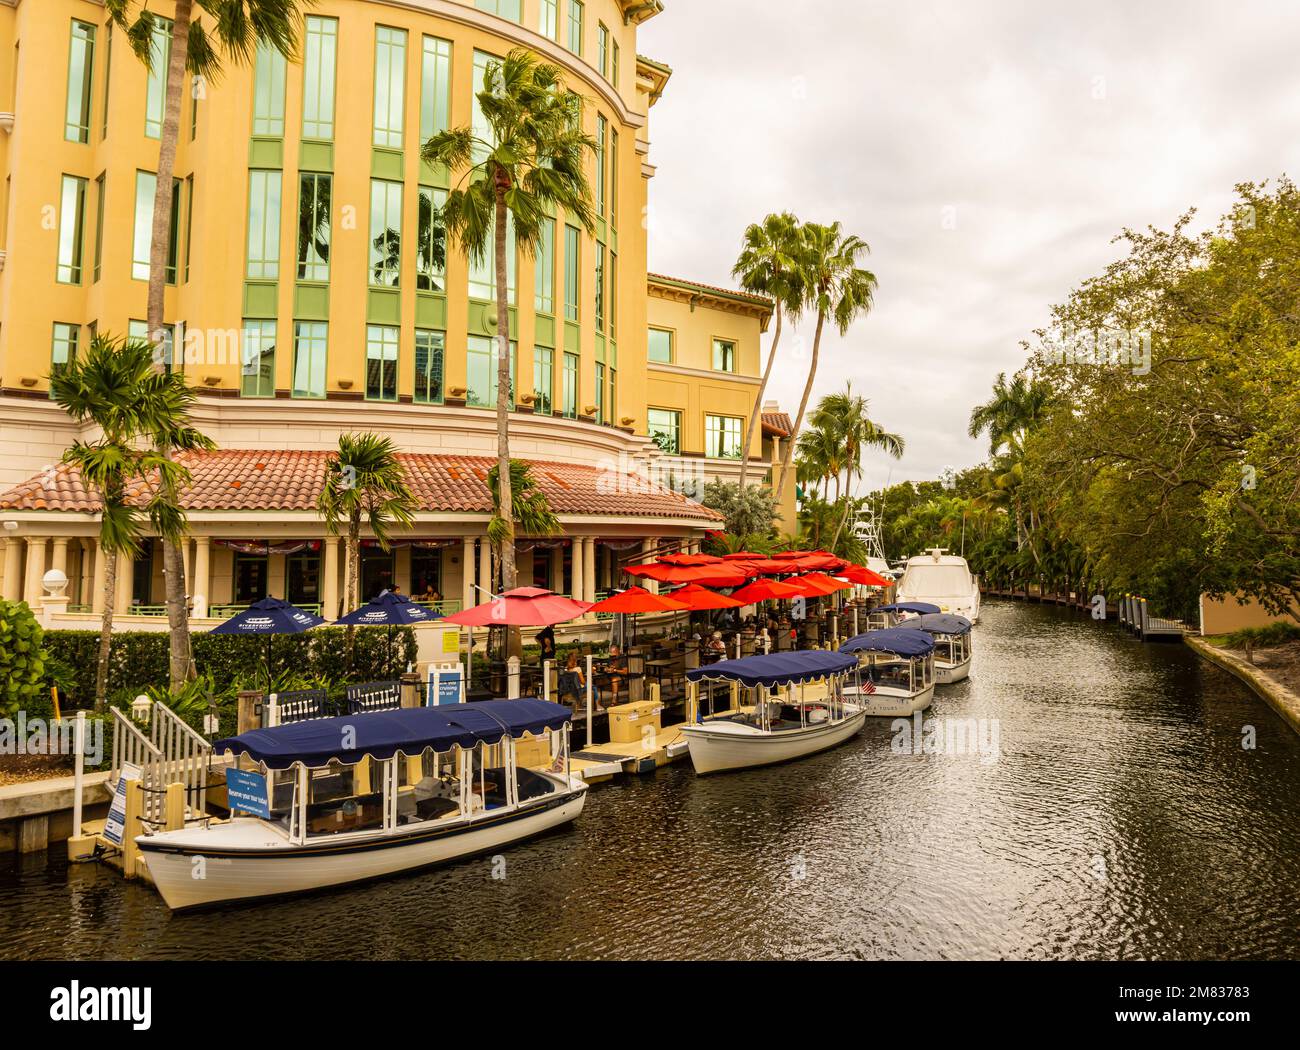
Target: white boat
942,579
350,799
798,709
895,672
952,645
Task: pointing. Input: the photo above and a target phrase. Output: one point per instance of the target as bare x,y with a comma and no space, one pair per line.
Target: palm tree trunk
843,518
173,561
505,499
758,400
803,407
106,626
353,586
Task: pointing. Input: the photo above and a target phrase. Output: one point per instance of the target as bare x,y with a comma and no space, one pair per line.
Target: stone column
32,589
97,586
647,548
202,588
87,571
60,559
122,599
187,564
484,593
577,567
589,568
13,581
467,572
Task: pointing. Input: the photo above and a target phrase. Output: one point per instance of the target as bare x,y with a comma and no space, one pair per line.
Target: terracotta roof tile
287,480
778,423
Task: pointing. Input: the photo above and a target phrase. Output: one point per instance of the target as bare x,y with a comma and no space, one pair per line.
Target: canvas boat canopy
942,623
776,668
921,608
901,641
383,734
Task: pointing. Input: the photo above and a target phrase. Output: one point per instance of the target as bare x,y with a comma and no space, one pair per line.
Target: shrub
1266,637
22,658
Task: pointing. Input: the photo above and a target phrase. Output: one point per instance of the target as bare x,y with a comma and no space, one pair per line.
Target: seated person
617,662
572,681
716,648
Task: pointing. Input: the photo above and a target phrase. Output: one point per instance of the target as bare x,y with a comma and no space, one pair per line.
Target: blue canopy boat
895,673
952,645
331,801
796,707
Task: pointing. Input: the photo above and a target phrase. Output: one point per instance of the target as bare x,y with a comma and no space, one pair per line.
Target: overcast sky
987,151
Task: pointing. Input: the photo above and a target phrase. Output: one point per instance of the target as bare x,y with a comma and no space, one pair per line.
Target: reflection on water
1122,819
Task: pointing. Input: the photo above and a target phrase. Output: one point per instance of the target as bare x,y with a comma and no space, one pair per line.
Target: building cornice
676,289
702,373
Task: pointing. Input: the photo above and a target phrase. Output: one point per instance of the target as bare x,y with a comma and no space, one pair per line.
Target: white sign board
115,826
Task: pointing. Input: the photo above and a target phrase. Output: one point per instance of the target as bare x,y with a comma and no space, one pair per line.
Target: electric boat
952,645
894,677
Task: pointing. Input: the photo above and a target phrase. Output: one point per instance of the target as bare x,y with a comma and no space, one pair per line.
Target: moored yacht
895,672
952,645
339,800
797,707
942,579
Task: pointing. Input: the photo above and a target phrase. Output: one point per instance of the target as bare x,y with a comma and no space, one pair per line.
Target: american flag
868,687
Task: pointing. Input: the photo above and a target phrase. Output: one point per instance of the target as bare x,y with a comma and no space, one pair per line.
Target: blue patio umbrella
388,610
269,617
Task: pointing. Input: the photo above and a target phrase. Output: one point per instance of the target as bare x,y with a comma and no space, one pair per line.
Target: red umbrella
698,598
720,575
861,574
689,559
762,590
771,566
522,607
814,584
638,600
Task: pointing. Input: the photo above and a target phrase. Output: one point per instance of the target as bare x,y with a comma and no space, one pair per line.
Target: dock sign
246,792
115,825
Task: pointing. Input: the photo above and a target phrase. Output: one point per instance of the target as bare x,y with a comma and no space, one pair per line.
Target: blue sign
246,792
450,685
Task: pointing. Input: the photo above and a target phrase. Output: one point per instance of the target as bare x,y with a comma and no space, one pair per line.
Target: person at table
616,663
572,681
716,648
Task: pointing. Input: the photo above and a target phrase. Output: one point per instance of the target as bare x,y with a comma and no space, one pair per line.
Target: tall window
483,274
385,233
145,186
722,437
381,362
665,428
101,186
613,297
310,341
478,122
602,132
314,191
724,355
576,15
600,393
264,188
431,253
108,77
659,346
481,372
81,68
544,301
435,87
505,8
72,219
613,70
268,91
600,287
257,374
548,23
156,86
64,348
570,391
189,222
319,60
543,379
430,348
390,84
572,271
602,49
613,179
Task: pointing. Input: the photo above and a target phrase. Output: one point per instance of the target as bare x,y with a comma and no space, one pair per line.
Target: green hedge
139,659
22,658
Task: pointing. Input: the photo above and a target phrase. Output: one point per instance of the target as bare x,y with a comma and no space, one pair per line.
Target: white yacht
939,578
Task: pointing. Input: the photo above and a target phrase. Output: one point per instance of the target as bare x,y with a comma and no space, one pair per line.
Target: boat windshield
936,579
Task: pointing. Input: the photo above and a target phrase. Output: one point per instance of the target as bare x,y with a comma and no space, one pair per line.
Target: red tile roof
730,293
778,423
286,480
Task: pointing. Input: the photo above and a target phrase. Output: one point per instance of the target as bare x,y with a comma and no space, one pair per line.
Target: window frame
389,339
671,333
70,258
320,43
437,345
81,79
651,431
323,347
390,135
245,358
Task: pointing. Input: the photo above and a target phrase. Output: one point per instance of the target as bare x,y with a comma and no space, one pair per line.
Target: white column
60,559
589,568
202,586
87,570
32,590
97,586
122,599
484,572
577,562
13,581
467,572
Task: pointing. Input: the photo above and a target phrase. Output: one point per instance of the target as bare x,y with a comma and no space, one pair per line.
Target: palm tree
839,289
533,514
115,387
768,266
364,480
533,164
239,26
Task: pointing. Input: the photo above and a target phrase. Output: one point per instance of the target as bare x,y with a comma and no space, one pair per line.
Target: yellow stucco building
311,293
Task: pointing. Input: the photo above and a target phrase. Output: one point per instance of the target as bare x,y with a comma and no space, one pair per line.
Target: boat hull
239,875
716,747
890,703
947,674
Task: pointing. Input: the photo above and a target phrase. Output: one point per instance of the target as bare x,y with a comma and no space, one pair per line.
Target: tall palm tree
364,480
533,163
238,27
533,514
115,387
839,289
768,265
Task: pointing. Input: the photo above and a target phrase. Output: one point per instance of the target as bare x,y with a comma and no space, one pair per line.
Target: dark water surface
1121,819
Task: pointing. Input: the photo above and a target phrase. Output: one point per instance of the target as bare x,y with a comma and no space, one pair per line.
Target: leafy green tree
748,514
531,165
22,658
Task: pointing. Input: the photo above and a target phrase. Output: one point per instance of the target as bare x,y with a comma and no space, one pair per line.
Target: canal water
1120,818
